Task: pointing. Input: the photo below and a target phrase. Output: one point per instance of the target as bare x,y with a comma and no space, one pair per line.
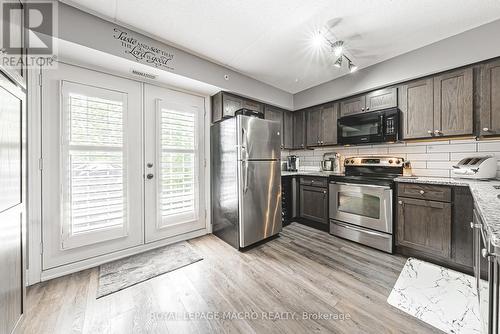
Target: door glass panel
363,129
94,173
178,160
359,204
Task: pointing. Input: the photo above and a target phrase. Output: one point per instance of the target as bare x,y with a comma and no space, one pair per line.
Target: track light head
338,62
352,67
338,48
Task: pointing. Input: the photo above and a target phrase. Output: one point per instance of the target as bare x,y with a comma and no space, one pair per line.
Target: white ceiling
269,40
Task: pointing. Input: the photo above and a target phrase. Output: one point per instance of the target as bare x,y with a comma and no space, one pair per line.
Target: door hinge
41,248
40,163
205,214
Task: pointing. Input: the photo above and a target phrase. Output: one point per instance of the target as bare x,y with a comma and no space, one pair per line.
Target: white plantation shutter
93,164
178,172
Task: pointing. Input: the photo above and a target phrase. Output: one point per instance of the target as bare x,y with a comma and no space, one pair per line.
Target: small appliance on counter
478,167
407,171
292,163
331,162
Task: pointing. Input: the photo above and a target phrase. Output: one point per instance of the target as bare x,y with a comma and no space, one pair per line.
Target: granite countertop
485,197
310,173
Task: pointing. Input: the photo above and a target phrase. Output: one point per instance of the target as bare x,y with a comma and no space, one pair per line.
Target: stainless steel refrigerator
245,180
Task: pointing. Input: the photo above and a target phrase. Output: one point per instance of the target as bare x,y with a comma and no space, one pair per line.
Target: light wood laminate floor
304,270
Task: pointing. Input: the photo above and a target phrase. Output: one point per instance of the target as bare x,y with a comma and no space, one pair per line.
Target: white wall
91,31
433,158
468,47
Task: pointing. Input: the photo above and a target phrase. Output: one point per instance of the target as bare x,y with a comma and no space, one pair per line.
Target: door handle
245,177
149,176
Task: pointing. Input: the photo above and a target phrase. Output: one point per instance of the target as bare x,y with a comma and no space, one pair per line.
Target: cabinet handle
437,132
322,142
324,191
421,192
429,132
368,108
400,202
486,129
362,109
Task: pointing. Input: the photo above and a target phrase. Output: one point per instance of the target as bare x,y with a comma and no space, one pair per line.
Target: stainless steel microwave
369,127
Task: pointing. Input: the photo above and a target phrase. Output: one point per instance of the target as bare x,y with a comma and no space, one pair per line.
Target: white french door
123,165
92,164
174,163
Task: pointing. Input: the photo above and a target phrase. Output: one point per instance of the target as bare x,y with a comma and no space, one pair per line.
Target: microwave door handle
381,125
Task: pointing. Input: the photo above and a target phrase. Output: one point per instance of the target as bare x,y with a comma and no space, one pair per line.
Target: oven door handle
349,227
362,185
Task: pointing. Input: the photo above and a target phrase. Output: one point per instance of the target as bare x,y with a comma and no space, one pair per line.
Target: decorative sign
144,52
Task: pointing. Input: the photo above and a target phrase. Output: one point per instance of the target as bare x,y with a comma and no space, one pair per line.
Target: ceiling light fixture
318,40
352,67
338,48
338,62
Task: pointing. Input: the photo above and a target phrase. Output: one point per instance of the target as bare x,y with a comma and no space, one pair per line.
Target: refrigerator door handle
244,144
245,176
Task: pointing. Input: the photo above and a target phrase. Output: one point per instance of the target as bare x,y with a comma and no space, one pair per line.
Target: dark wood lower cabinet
436,231
424,226
314,204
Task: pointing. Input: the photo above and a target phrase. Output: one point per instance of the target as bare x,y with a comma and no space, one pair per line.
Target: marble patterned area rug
121,274
441,297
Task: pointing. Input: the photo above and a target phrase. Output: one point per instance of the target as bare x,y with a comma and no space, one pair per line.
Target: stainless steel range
361,205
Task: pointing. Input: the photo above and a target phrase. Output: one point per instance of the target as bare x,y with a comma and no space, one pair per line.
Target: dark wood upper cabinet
353,105
417,108
275,114
288,130
322,125
382,99
225,104
490,99
424,226
329,116
376,100
299,129
313,126
453,103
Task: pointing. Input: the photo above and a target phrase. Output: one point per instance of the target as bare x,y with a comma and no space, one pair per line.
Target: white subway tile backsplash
428,158
441,164
431,172
488,146
469,147
407,149
419,164
373,150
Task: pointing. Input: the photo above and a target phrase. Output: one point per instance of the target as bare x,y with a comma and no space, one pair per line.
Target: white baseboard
96,261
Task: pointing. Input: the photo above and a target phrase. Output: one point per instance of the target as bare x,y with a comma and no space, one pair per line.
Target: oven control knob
397,161
390,161
352,161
